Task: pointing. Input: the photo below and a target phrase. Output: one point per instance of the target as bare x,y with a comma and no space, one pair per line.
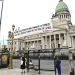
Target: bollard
71,62
72,71
54,66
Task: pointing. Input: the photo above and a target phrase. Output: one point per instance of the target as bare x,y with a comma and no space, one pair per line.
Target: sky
29,13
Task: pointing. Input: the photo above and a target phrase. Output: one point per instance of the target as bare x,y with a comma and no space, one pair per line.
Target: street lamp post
11,37
71,63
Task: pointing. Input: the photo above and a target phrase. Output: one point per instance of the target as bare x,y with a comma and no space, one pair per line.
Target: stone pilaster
45,42
50,41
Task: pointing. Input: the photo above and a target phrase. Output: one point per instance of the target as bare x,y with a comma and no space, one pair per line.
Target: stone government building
45,36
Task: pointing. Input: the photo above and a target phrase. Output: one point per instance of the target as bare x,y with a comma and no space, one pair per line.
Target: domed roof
61,6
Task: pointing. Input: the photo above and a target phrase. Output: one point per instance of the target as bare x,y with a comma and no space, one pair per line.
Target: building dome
61,6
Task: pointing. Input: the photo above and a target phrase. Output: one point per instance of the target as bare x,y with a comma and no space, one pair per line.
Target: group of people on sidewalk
57,64
24,63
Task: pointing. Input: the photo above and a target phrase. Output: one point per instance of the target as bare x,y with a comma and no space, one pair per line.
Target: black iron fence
39,54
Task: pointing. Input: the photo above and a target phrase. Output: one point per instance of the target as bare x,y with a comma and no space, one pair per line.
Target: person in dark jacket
58,65
23,64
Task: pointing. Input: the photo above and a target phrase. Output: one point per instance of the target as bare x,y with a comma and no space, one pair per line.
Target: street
48,64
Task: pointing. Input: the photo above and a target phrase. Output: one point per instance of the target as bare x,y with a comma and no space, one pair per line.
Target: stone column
26,45
68,40
46,42
29,44
65,39
34,44
72,42
37,45
42,42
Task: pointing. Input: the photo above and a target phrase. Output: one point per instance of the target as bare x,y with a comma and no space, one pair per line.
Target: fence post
39,60
71,63
28,61
54,60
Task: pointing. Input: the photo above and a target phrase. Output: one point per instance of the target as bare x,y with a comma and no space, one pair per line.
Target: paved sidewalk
18,72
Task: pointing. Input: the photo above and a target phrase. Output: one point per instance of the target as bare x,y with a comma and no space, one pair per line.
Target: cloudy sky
28,13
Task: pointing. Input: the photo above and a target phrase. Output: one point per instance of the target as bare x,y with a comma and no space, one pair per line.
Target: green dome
61,6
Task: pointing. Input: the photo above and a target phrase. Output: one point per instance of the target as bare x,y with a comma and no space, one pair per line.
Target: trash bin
3,59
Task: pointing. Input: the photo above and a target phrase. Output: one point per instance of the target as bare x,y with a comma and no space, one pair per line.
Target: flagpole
1,13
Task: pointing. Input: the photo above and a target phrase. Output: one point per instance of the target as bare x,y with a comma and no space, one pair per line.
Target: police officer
58,65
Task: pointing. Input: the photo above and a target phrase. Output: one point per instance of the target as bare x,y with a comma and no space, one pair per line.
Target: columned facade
46,37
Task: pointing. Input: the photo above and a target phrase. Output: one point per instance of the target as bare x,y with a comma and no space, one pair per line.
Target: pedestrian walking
22,66
58,65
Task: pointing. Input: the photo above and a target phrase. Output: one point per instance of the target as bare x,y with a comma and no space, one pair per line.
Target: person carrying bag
23,65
